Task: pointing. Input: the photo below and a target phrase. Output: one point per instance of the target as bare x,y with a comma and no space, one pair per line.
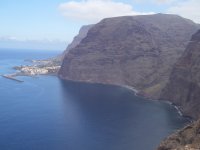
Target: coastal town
36,70
37,67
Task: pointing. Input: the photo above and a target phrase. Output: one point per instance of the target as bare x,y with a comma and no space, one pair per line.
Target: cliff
138,51
77,39
183,88
50,65
186,139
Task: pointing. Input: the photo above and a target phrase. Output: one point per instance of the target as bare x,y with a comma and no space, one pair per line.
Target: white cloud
159,2
164,1
92,11
5,38
189,9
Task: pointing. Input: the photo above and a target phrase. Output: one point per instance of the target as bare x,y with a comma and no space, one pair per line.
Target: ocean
46,113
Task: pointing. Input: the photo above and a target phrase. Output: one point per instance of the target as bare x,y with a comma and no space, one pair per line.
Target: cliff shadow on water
113,117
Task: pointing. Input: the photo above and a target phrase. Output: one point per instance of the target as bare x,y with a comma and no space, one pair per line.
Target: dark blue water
45,113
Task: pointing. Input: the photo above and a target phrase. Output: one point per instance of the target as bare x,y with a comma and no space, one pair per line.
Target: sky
52,24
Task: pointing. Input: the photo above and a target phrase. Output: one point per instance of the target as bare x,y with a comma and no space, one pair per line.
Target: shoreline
136,93
178,109
133,89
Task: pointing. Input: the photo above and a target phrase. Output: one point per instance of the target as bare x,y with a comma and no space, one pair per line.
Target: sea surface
46,113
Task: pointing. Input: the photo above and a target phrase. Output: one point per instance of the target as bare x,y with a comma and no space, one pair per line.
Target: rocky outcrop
77,39
81,35
186,139
183,88
137,51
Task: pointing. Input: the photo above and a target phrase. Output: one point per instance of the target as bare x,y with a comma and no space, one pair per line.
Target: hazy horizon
52,24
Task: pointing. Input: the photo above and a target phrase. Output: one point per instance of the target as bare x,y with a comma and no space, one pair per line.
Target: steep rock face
77,39
183,88
81,35
186,139
137,51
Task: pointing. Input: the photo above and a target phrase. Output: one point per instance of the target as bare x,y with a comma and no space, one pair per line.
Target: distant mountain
137,51
183,88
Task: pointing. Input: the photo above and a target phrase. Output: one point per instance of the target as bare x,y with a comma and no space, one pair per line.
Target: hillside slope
183,88
137,51
186,139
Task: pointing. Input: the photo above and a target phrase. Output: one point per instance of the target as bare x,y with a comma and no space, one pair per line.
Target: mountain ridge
137,51
149,54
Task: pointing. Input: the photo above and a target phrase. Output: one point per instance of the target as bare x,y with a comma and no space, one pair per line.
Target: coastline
31,72
130,88
38,67
178,108
137,93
